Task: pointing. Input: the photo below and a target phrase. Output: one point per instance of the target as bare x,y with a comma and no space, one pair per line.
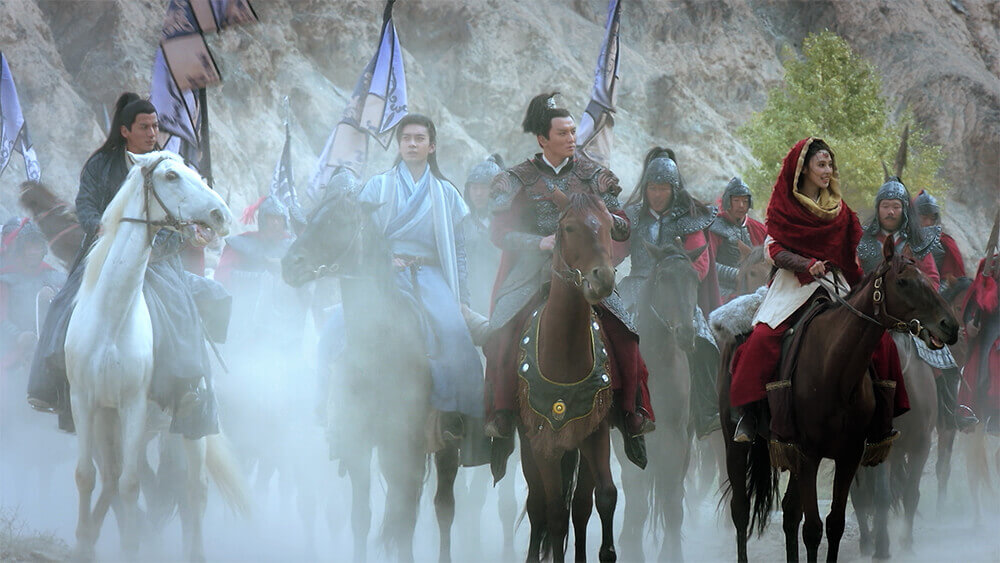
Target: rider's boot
638,423
880,431
746,428
500,424
965,418
196,414
452,427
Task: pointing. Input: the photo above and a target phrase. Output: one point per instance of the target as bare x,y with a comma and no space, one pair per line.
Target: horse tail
225,472
761,485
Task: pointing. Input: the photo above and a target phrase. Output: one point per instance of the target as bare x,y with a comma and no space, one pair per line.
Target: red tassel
250,213
986,295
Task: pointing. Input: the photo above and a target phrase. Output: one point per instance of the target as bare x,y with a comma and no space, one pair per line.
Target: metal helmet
926,204
272,206
484,172
736,187
343,180
662,170
893,188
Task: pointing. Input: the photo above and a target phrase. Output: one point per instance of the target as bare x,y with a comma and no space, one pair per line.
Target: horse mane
582,202
110,222
897,264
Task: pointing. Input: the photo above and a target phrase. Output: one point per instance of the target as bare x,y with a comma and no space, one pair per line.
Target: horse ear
656,252
693,255
888,249
744,250
560,198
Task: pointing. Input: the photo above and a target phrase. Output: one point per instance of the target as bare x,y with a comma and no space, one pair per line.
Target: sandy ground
46,502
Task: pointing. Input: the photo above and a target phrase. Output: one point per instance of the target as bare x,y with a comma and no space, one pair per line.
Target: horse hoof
607,554
881,556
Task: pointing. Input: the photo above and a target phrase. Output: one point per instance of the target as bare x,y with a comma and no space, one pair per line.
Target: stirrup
41,405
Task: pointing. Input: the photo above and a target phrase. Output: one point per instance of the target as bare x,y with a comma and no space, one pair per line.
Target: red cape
797,229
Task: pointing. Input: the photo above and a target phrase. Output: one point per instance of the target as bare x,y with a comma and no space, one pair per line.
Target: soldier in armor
947,257
660,211
732,230
525,220
950,266
894,217
811,233
26,283
183,307
484,256
269,315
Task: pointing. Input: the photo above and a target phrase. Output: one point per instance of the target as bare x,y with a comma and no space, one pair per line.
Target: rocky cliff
692,71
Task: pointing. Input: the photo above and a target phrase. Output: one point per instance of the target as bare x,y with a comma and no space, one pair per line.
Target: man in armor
269,316
731,231
27,284
184,308
661,210
951,267
947,257
893,217
525,220
484,256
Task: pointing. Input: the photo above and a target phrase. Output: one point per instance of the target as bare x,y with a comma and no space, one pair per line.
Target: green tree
833,93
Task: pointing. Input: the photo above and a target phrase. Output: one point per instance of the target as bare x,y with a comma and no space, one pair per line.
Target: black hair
127,108
538,118
817,145
418,119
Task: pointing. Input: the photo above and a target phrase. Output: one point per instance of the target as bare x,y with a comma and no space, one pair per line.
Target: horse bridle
170,222
914,327
331,267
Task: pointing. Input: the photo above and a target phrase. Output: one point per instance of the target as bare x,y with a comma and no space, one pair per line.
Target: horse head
753,270
331,240
177,197
670,294
582,252
909,301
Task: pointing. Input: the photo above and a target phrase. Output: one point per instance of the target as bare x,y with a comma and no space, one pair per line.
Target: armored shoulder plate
526,173
929,237
585,169
680,223
869,252
505,186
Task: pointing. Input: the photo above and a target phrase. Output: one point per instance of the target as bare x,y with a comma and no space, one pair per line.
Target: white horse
109,353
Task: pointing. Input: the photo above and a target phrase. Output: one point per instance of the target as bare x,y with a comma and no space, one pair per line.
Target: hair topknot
497,159
541,112
658,152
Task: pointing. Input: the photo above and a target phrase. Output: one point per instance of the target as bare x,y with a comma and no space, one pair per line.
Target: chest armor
729,253
938,252
541,182
659,232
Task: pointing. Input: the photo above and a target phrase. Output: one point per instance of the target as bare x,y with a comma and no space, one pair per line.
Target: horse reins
171,222
332,266
914,327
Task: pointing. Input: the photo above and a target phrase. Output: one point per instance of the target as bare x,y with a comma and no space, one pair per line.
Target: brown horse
568,353
833,403
55,219
754,270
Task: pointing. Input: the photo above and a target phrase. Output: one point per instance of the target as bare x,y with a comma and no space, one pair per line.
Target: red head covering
830,234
